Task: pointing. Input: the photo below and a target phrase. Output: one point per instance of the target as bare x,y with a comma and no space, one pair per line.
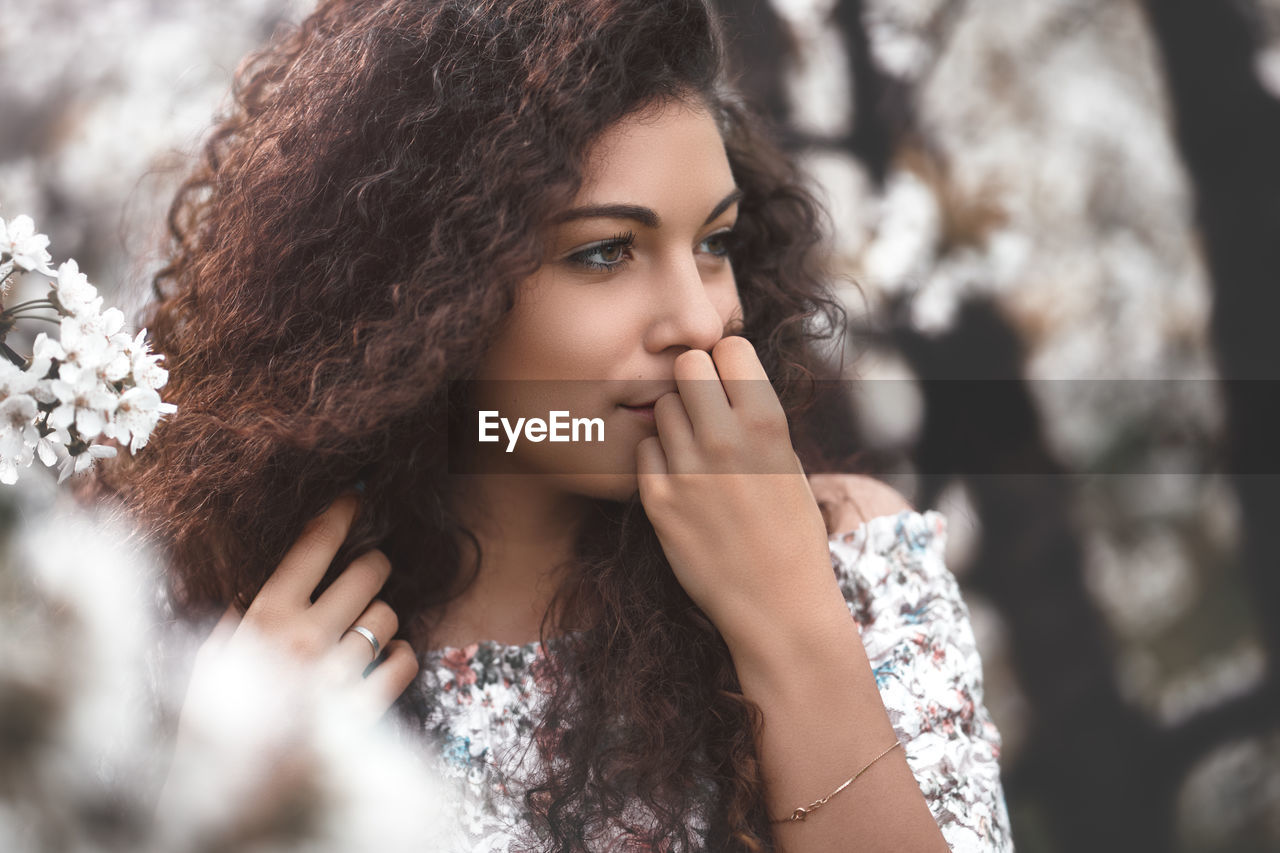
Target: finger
650,461
700,391
674,428
393,676
302,568
222,631
354,652
735,358
352,591
227,623
745,381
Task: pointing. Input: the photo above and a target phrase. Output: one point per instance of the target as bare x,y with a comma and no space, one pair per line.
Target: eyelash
620,241
627,240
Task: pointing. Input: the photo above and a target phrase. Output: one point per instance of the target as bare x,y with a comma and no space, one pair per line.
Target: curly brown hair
335,266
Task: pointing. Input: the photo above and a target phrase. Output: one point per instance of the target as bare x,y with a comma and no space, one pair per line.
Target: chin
617,487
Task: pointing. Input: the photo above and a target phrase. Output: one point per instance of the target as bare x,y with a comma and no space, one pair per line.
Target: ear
848,501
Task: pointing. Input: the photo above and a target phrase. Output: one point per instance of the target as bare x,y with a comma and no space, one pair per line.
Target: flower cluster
94,381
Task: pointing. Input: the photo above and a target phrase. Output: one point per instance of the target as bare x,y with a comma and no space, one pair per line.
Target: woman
422,212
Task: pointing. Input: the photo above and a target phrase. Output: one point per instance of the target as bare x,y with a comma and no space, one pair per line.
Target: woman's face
636,272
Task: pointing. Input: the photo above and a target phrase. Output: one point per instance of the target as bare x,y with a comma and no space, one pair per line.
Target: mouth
644,411
643,406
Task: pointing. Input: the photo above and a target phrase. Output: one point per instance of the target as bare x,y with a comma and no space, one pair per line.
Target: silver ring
368,635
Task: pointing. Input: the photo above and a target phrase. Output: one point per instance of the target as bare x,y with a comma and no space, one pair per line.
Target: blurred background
1057,231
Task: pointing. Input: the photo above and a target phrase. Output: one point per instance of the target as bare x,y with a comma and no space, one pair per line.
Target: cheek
571,334
589,335
541,360
729,303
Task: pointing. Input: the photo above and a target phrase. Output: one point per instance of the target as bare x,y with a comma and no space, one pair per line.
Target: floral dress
914,626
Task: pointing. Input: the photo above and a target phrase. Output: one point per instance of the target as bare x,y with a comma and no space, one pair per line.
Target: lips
645,412
642,403
646,401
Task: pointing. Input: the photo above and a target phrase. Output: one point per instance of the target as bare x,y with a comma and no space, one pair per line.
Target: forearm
823,722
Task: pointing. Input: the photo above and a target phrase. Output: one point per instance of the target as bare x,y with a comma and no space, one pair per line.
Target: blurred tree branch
1227,128
1103,774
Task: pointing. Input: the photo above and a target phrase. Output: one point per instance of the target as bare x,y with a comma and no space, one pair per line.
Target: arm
824,721
821,705
743,533
914,629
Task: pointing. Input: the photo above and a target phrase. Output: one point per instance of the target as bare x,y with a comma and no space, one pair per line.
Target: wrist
810,670
792,641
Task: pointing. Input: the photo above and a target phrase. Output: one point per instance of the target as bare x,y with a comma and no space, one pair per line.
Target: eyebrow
646,216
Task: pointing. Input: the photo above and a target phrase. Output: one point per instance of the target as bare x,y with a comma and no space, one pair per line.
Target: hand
319,634
244,710
729,500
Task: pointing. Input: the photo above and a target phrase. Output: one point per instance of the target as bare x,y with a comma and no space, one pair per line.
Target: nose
684,314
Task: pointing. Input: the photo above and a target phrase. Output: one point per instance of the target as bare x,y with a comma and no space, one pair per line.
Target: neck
526,529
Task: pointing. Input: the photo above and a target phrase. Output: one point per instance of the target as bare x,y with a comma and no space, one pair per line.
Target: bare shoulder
848,500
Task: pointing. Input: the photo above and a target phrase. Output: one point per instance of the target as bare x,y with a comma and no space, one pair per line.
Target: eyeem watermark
557,427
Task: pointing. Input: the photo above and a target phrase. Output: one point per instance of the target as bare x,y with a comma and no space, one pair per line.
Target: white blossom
95,380
105,382
107,323
74,291
95,342
81,462
147,371
85,350
14,380
43,352
53,446
136,415
83,400
18,435
25,248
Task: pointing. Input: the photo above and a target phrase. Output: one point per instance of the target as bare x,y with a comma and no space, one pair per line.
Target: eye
607,255
719,244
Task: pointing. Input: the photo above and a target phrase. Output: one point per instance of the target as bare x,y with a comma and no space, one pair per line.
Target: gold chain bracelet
804,811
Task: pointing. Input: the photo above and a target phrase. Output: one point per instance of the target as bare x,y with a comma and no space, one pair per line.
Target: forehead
665,151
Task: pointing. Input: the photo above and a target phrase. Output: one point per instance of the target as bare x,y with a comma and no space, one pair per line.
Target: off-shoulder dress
914,625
